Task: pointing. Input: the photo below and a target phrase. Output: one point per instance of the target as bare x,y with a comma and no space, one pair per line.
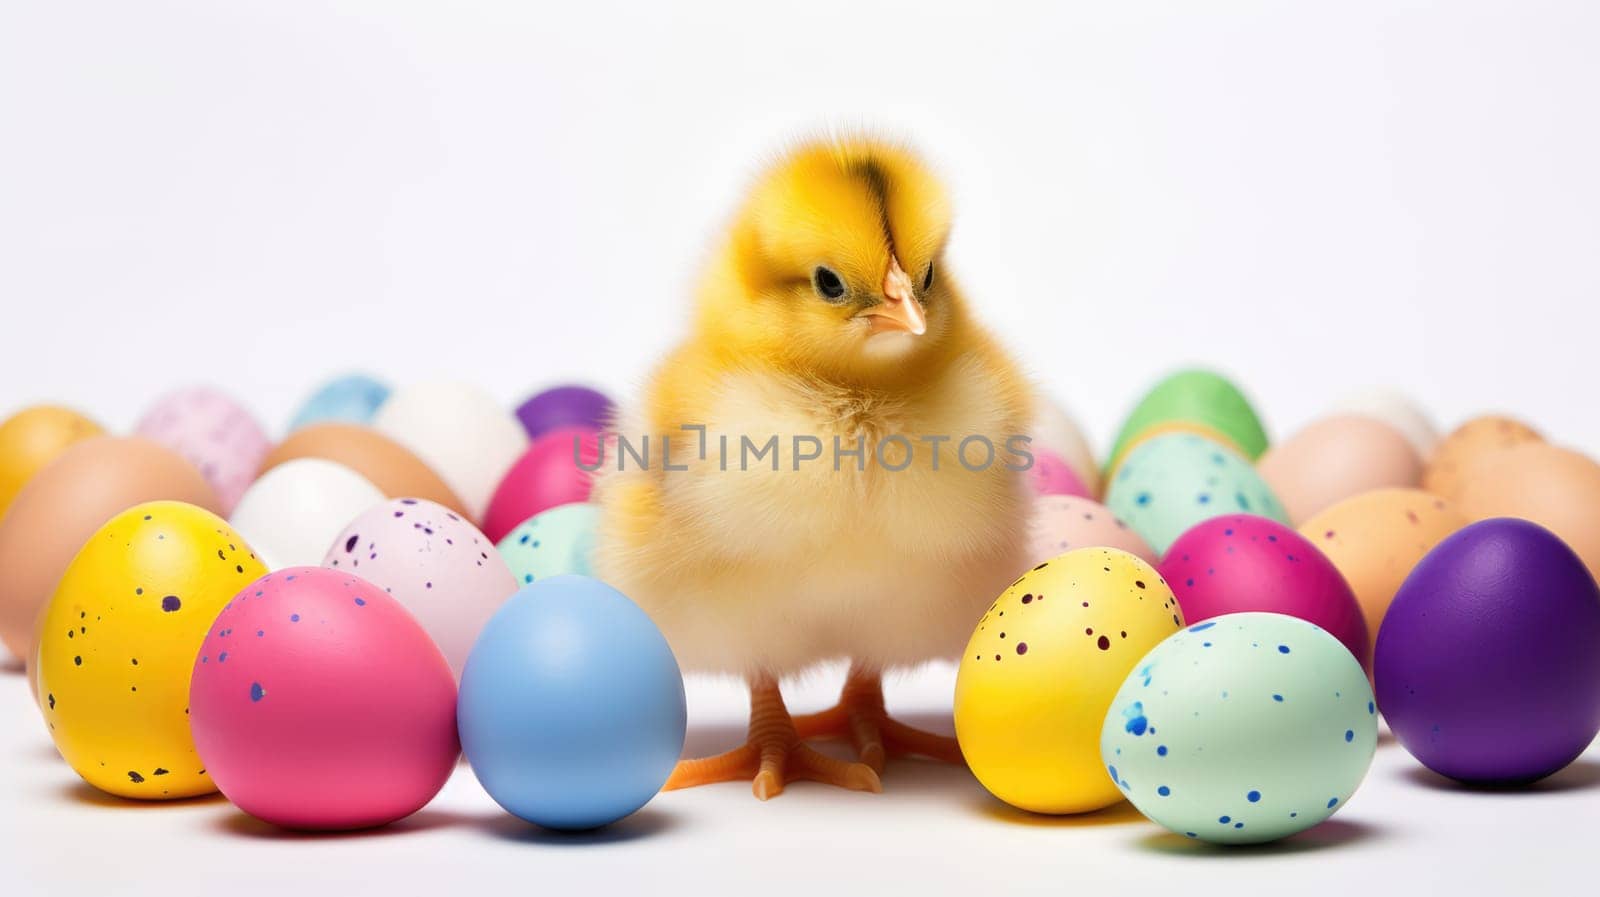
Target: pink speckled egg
317,702
1063,523
1050,475
1241,562
548,474
435,563
215,433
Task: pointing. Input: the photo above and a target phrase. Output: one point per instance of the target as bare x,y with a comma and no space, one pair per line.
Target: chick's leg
773,755
860,716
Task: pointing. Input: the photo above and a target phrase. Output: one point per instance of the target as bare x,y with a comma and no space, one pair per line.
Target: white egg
1397,410
1055,430
460,431
292,513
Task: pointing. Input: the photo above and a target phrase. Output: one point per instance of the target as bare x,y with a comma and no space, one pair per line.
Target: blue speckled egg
1241,729
353,398
553,542
1173,482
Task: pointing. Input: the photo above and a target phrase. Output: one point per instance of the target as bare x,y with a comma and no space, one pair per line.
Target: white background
1315,197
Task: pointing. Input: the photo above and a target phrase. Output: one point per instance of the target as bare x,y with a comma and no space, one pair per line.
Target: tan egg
61,507
1335,458
1557,488
32,438
1377,537
385,463
1479,436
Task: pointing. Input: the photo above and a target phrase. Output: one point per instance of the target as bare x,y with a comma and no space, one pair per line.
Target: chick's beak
900,311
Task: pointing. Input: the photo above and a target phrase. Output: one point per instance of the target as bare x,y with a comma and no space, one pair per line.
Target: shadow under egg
1327,835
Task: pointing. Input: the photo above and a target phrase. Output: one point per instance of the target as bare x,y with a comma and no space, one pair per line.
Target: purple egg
1488,661
565,406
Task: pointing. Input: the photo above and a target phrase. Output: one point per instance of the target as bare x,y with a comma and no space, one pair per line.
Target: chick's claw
860,715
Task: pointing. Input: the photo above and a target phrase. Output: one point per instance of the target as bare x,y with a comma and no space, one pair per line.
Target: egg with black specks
1241,729
118,640
1169,484
1041,667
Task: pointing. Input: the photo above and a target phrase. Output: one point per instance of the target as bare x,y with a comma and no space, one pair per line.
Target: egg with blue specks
118,640
1242,729
351,399
1042,665
553,542
1173,482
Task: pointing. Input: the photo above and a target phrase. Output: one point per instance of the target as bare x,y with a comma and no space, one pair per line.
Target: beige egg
1557,488
1479,436
1053,428
388,465
1335,458
1063,523
1377,537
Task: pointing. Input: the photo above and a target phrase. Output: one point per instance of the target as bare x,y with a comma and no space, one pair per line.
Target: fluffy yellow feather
826,313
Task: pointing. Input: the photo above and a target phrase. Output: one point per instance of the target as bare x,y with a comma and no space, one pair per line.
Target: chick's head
833,265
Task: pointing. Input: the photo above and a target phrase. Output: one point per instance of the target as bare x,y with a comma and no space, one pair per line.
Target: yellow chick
876,527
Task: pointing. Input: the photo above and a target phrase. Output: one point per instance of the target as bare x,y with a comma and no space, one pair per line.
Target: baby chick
825,318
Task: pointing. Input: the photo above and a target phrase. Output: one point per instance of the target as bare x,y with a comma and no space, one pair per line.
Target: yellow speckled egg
118,640
32,438
1043,666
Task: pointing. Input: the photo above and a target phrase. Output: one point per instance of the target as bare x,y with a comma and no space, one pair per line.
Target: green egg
1241,729
1200,397
553,542
1173,482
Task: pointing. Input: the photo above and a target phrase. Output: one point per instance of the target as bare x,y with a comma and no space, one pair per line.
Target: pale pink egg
434,562
1063,523
317,702
215,433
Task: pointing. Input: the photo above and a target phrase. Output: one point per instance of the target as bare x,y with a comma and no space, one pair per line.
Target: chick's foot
773,755
861,717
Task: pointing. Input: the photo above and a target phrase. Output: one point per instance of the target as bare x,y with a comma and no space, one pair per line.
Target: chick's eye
927,279
828,284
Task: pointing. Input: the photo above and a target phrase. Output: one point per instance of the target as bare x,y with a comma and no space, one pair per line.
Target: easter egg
293,512
1241,562
353,398
385,463
1171,483
1335,458
1245,728
1053,429
1477,438
1488,661
434,562
1049,475
118,640
1198,396
1061,523
317,702
561,407
1156,431
553,542
32,438
217,434
1376,538
458,430
87,484
572,710
1040,670
1398,411
1554,487
550,473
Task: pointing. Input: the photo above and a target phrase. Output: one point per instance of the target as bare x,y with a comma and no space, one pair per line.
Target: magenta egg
1241,562
556,470
1050,475
318,702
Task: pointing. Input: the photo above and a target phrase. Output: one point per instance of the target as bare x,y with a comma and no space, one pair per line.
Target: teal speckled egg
552,542
1174,481
1242,729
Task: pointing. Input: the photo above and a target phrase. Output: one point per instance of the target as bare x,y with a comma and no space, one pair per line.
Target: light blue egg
572,708
1241,729
550,543
352,399
1172,482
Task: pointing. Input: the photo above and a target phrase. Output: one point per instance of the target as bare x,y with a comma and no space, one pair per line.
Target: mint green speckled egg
552,542
1175,481
1242,729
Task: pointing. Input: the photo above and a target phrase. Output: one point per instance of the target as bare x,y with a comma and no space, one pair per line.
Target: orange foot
861,717
773,755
